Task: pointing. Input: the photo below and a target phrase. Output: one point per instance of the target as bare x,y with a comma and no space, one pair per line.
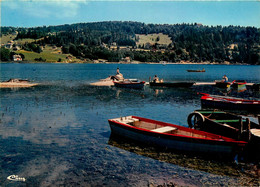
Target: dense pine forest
116,40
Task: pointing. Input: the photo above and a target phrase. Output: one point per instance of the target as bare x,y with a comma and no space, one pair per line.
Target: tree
4,54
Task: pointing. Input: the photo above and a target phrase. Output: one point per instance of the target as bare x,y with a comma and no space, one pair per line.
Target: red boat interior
161,127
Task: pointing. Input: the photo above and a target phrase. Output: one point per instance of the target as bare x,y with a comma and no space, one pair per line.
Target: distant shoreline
168,63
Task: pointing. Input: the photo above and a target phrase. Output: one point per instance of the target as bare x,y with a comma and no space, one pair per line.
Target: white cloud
46,9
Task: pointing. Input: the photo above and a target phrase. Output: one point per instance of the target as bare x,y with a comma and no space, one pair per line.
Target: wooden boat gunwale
212,138
130,82
233,100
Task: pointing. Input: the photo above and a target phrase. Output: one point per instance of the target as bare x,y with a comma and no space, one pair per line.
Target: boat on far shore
198,70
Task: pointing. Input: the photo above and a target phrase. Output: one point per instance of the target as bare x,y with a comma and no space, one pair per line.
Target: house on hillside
16,48
9,45
126,59
15,33
113,48
103,45
17,58
68,58
126,48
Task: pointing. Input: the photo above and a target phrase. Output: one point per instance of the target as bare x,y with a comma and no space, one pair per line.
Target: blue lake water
57,133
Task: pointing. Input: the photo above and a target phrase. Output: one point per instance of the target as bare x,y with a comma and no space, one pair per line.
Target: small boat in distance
172,136
199,70
172,84
129,84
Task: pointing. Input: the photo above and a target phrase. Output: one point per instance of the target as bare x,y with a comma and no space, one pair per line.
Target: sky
32,13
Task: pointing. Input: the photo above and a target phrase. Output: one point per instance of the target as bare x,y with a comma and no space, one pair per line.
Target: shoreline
170,63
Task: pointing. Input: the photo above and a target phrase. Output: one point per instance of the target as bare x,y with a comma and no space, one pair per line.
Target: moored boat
229,103
221,84
256,86
129,84
172,136
196,70
172,84
234,84
222,123
109,81
238,83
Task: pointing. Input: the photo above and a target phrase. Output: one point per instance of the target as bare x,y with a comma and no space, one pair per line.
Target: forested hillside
189,42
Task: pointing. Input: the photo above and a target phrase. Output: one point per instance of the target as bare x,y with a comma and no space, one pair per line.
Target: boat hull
132,85
220,84
235,84
172,84
223,123
189,70
230,104
169,141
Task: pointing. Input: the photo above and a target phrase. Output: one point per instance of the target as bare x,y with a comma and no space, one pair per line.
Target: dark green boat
222,123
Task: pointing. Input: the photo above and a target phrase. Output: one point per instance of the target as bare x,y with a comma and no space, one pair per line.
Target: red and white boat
229,103
172,136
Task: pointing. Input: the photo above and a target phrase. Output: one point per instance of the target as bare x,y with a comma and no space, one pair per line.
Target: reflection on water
57,133
187,160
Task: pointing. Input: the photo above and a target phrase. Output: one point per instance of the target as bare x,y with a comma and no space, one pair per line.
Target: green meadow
7,38
153,38
49,54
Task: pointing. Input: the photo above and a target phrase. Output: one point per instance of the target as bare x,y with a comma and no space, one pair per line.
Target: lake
57,133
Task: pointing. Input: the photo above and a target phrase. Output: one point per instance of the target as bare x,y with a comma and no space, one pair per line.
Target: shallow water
57,133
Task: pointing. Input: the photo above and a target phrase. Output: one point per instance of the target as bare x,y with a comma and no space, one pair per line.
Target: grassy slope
51,55
23,41
7,38
151,38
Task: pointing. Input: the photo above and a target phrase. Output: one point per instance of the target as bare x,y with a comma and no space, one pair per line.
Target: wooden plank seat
164,129
255,132
228,121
